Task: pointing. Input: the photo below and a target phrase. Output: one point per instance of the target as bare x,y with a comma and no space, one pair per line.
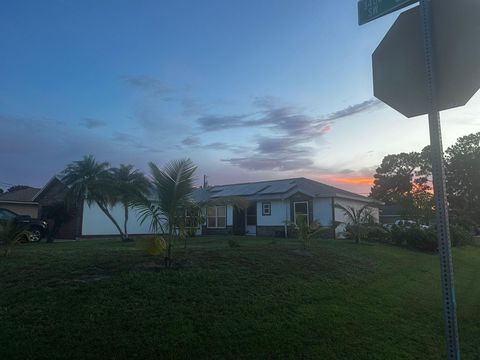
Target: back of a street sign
399,63
428,62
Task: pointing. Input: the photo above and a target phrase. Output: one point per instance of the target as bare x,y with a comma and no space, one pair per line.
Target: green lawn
104,299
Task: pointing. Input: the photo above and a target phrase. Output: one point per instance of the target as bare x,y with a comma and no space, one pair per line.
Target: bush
397,235
421,239
152,245
356,232
460,236
378,234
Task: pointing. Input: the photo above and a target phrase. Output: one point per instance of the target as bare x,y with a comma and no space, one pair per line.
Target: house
265,208
21,202
390,213
271,205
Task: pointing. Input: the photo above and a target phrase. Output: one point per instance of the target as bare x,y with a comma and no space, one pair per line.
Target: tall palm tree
173,186
357,218
91,181
131,186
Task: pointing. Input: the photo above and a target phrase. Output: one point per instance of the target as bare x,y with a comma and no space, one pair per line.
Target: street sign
427,62
399,73
369,10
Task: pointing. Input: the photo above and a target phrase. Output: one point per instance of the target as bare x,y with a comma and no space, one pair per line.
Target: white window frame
295,212
216,217
269,206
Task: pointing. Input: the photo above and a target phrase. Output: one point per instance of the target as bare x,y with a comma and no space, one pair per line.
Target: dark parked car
37,228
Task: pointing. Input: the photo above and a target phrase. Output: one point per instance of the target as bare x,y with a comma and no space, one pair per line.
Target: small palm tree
357,218
91,181
173,186
131,186
11,234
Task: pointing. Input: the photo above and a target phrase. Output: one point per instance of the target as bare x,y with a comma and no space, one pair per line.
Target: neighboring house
87,221
21,202
272,204
390,213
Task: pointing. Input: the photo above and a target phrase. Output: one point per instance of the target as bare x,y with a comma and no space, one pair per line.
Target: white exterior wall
229,215
95,222
322,211
280,211
340,214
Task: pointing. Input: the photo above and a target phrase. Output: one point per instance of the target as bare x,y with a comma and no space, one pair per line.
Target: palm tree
131,186
91,181
173,186
356,219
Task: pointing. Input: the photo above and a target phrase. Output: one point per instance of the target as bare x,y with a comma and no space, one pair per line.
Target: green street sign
369,10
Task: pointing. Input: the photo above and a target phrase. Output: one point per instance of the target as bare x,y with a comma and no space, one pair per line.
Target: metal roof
276,189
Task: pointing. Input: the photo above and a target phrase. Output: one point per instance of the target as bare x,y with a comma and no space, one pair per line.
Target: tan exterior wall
22,209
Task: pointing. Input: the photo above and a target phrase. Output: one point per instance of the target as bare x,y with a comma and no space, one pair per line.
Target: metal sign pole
438,174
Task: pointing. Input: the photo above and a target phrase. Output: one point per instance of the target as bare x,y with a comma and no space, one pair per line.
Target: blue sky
250,90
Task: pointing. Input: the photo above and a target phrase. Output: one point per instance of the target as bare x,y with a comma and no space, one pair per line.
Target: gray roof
24,195
276,190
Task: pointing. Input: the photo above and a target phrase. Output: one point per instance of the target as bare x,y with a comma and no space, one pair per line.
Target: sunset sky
250,90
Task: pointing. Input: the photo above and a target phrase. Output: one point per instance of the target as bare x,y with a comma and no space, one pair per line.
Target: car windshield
7,215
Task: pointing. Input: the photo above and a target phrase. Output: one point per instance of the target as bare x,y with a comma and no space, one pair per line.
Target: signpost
369,10
428,62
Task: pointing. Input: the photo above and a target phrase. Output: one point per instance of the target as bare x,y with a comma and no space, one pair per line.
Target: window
266,209
300,211
216,217
192,217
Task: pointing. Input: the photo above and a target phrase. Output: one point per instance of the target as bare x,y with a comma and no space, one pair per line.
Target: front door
239,219
251,215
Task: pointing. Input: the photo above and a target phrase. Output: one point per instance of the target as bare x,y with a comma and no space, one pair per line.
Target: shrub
397,235
378,234
11,234
356,232
421,239
460,236
153,245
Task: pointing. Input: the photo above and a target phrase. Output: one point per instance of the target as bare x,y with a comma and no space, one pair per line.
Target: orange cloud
354,180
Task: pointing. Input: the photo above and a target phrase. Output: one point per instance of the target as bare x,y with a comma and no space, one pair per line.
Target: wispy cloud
91,123
134,142
148,84
191,140
355,109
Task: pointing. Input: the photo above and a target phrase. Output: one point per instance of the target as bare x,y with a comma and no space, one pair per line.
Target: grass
103,299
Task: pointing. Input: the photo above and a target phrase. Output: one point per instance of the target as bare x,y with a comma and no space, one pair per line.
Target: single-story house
21,201
267,205
274,204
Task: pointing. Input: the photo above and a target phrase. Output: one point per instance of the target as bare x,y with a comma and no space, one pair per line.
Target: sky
249,90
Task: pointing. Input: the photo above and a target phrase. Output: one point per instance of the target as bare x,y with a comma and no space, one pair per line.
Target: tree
462,176
91,181
11,234
173,186
130,186
356,220
405,179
